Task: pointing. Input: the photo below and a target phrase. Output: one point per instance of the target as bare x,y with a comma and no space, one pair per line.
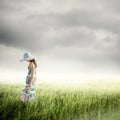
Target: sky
71,40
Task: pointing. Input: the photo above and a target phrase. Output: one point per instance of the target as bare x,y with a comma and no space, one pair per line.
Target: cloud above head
47,30
111,6
55,28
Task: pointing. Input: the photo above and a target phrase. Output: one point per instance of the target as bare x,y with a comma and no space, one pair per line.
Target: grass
96,101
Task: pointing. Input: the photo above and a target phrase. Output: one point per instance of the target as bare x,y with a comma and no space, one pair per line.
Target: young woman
29,93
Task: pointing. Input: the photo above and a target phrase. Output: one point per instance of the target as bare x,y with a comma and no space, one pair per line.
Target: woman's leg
27,93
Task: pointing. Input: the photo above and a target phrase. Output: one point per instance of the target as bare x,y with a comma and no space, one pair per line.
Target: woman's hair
34,61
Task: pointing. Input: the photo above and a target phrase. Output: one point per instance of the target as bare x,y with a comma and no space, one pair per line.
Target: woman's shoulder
32,65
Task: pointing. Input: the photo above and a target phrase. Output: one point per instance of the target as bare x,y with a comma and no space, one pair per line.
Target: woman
28,93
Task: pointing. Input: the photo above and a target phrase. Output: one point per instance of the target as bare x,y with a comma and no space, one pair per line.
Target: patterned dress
29,93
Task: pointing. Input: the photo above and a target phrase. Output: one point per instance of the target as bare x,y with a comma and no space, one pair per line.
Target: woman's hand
27,88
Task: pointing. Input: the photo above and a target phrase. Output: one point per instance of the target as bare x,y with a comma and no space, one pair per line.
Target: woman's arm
32,74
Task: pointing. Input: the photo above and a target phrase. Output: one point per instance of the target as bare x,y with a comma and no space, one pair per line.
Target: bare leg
27,93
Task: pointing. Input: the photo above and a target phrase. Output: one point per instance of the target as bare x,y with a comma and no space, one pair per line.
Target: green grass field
92,101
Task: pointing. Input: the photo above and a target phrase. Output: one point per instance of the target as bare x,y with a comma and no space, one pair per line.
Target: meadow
85,101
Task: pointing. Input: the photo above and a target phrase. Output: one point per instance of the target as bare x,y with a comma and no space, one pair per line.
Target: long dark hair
34,61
